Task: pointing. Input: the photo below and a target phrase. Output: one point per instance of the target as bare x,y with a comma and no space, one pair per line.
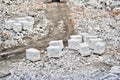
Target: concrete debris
74,44
54,51
115,69
99,48
84,49
32,54
57,43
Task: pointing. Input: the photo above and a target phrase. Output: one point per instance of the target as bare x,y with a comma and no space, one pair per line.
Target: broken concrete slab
84,49
74,44
54,51
57,43
32,54
99,48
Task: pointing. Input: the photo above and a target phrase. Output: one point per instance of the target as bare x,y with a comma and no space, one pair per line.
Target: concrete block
17,27
86,38
57,43
79,37
54,51
74,44
84,49
93,41
20,19
30,19
9,24
27,25
99,48
115,69
32,54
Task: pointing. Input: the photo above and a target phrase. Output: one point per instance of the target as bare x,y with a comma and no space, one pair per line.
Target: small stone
84,49
32,54
54,51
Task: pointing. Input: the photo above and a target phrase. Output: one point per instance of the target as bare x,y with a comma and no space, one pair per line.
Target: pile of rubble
109,5
18,31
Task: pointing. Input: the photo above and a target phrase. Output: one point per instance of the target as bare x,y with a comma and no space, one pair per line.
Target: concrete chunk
74,44
115,69
17,27
9,24
54,51
84,49
32,54
30,19
76,37
93,41
86,38
99,48
57,43
27,25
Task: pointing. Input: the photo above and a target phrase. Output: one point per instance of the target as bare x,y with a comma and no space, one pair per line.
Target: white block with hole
99,48
17,27
9,24
84,49
76,37
57,43
93,41
74,44
86,38
54,51
32,54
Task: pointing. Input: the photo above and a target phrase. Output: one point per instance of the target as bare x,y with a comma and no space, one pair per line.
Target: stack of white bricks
20,24
86,44
55,49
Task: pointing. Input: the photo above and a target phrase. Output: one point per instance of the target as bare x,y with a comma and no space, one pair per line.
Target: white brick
76,37
57,43
74,44
115,69
27,25
30,19
17,27
86,38
32,54
9,24
93,41
54,51
99,48
84,49
20,19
